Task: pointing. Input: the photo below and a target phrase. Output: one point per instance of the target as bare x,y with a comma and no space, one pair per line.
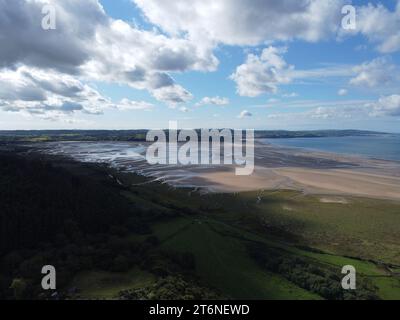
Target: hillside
118,236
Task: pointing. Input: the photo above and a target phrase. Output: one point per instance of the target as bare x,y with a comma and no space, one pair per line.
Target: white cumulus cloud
262,74
126,104
237,22
386,106
217,101
245,114
378,72
380,26
88,45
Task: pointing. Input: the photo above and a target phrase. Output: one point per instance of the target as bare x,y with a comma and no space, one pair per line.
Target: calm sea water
385,147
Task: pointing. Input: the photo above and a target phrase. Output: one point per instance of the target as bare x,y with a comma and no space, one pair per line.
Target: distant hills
313,134
140,135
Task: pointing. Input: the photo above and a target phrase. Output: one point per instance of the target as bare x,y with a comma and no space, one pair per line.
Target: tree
19,287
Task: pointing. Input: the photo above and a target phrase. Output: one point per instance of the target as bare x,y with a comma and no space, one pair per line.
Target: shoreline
323,173
276,168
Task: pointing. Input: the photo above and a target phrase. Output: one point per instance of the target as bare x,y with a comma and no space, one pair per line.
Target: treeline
50,215
309,274
77,218
172,288
42,203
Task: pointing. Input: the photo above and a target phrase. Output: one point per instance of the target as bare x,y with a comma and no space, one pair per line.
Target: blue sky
314,75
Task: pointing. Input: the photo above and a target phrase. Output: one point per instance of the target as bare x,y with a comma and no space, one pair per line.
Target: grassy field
329,232
223,262
360,227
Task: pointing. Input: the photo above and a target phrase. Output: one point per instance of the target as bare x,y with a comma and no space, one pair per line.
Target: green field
367,230
222,261
360,227
218,234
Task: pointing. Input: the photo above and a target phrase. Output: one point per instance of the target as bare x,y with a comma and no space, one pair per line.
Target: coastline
276,168
320,173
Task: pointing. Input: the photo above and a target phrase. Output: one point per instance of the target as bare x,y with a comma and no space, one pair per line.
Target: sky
255,64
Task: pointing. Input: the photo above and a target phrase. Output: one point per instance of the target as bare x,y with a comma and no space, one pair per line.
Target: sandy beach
311,181
313,173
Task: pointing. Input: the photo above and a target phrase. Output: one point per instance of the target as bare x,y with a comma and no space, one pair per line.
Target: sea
385,147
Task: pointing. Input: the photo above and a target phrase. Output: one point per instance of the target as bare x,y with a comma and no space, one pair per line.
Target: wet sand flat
276,168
